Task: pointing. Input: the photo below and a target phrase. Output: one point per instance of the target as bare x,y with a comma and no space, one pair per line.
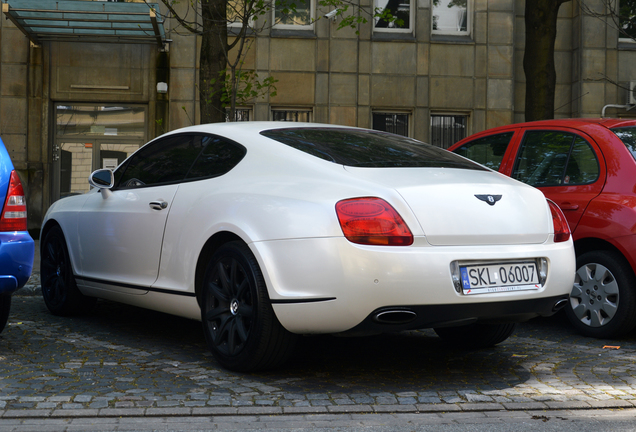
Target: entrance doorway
90,137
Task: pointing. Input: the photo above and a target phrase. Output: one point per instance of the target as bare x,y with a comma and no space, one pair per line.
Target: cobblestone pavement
125,361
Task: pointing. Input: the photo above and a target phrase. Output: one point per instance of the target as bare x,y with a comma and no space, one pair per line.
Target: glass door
89,137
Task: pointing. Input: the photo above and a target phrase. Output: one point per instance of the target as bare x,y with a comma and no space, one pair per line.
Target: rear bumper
16,260
396,318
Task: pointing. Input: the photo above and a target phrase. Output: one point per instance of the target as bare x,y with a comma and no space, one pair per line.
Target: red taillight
14,212
372,221
561,227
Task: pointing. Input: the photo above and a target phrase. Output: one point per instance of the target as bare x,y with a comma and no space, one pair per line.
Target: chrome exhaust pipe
559,305
398,316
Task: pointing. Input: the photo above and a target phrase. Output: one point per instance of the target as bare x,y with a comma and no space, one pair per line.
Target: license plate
494,278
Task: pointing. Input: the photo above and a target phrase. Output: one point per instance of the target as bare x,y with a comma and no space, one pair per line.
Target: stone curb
333,410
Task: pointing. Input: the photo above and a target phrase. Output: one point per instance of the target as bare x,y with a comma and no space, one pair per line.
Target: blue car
16,245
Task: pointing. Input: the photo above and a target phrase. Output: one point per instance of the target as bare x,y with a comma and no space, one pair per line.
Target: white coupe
266,231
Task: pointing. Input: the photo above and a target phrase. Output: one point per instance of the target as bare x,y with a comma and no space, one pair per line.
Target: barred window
291,115
397,123
240,114
446,130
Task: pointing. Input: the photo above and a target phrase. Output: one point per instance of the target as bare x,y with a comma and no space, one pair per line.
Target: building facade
72,102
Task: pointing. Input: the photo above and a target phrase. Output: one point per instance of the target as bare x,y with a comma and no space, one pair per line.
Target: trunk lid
452,205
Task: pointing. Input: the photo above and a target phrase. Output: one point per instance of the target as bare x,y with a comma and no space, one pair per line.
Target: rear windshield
628,136
365,148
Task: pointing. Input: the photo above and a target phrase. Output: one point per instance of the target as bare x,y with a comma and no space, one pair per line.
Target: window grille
446,130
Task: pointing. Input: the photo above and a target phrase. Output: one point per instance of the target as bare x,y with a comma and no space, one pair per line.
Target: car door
120,231
565,165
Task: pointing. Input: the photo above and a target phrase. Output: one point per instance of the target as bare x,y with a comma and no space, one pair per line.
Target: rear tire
5,306
603,299
239,323
476,335
59,290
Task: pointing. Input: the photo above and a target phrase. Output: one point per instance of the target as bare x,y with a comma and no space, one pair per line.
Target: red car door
566,165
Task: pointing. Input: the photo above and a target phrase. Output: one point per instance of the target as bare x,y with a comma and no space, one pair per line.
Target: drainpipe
625,107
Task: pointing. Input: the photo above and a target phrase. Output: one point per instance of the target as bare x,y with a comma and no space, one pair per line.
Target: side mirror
102,179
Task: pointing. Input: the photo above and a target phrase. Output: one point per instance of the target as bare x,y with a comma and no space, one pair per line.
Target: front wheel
239,323
59,290
476,335
602,303
5,305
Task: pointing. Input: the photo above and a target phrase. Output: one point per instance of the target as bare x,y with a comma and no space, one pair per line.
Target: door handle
568,206
158,205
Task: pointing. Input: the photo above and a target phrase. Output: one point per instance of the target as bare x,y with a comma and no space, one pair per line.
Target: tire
477,335
239,323
60,292
5,305
603,303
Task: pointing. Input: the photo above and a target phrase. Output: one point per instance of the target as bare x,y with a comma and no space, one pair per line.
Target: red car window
555,158
488,151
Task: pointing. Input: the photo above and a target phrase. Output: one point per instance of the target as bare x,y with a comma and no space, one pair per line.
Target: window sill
393,36
626,45
305,34
456,39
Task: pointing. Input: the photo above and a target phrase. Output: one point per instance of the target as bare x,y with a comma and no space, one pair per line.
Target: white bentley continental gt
265,231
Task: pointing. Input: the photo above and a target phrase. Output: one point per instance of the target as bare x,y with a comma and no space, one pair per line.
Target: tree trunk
213,60
538,60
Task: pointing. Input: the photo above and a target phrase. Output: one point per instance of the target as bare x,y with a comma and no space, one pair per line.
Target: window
488,151
399,15
367,149
293,14
218,158
451,17
240,114
291,115
235,13
555,158
627,21
628,136
178,157
391,122
446,130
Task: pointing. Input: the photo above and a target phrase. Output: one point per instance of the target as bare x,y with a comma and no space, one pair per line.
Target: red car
587,167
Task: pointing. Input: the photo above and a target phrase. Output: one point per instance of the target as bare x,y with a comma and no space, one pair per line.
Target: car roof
608,123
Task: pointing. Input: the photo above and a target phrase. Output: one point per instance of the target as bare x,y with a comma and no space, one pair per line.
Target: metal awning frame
105,25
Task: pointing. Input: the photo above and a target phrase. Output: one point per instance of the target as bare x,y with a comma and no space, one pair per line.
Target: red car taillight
14,213
561,227
372,221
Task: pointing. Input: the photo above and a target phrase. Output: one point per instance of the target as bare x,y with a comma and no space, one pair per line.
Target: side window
218,158
555,158
488,151
583,167
164,161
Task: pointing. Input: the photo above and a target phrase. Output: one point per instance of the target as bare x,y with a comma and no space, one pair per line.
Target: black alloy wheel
603,302
239,323
5,306
59,290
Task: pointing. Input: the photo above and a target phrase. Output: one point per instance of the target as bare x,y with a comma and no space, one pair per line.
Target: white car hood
445,203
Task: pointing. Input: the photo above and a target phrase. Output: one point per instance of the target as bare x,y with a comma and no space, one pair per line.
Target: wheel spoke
241,330
235,271
225,287
580,311
219,293
232,344
245,310
221,330
216,313
243,289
